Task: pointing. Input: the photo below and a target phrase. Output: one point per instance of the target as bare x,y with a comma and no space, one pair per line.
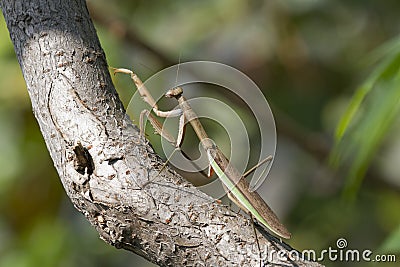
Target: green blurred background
313,59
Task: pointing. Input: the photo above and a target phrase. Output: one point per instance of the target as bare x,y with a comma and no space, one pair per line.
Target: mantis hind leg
255,235
254,184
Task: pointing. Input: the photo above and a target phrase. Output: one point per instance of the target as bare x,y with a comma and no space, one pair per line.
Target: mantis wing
239,193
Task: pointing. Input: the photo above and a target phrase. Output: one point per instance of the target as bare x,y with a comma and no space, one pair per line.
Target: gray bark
108,171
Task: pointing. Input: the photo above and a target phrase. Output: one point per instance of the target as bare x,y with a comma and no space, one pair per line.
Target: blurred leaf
388,49
367,120
384,70
392,243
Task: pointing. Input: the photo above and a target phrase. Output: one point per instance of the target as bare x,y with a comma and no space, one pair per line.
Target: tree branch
108,171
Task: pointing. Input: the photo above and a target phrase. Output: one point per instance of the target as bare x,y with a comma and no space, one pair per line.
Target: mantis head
175,92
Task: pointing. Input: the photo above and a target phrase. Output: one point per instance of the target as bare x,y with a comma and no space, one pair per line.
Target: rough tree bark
104,166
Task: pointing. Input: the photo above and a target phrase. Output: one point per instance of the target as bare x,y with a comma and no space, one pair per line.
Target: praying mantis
234,183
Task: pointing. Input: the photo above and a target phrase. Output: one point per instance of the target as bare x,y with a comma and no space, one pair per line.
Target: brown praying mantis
233,181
